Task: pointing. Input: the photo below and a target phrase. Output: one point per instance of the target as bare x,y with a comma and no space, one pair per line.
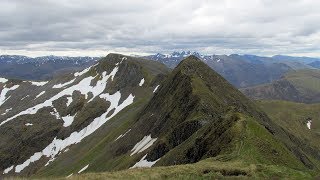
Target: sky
97,27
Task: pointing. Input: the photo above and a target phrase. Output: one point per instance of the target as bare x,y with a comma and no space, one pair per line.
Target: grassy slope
306,81
293,117
299,86
247,159
206,169
252,151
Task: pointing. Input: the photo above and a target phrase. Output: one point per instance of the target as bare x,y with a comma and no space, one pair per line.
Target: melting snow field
144,163
64,84
82,72
68,120
83,86
4,92
8,170
309,124
142,145
83,169
155,89
141,82
69,101
58,145
36,83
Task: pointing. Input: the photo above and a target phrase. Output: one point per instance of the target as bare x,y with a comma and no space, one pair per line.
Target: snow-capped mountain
126,112
240,70
40,68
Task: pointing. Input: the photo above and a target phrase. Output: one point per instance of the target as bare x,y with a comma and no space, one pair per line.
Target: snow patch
3,80
64,84
40,94
7,110
83,86
68,120
51,160
142,145
218,60
122,59
28,124
83,169
8,170
155,89
141,82
55,113
309,124
4,92
82,72
69,101
69,175
39,83
58,145
144,163
121,135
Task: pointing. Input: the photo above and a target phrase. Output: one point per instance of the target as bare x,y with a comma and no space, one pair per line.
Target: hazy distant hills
41,68
240,70
243,70
299,86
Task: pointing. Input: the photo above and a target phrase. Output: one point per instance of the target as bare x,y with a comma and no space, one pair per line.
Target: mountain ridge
130,112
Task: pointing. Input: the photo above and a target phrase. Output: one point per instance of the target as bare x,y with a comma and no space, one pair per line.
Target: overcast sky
96,27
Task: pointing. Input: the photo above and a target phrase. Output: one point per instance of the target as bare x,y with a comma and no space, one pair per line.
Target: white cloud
217,26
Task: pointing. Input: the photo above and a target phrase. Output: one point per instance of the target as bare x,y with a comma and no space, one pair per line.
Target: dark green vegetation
196,118
299,86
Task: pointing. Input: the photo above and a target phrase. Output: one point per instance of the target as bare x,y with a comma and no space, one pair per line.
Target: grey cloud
217,26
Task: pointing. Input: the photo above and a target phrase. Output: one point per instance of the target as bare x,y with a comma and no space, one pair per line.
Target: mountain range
129,112
41,68
243,70
298,86
240,70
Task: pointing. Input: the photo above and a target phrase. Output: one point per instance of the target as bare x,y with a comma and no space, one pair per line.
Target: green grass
292,117
305,81
205,169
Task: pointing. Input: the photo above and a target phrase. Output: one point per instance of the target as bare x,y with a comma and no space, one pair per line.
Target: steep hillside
302,120
130,113
41,120
299,86
194,114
